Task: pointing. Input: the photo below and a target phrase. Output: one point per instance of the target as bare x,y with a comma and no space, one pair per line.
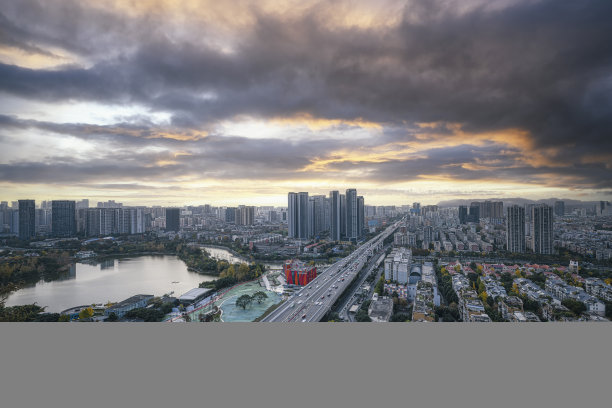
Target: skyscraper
335,214
173,216
316,214
343,216
27,219
63,218
351,214
474,214
463,214
293,214
542,219
230,215
559,208
298,215
360,216
515,229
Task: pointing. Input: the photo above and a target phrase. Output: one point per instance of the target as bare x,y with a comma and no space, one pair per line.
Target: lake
226,255
111,280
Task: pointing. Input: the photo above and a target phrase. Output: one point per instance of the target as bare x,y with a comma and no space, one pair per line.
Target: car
303,316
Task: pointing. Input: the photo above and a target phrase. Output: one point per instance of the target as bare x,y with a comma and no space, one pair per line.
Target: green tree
244,301
259,296
576,307
362,316
380,286
86,313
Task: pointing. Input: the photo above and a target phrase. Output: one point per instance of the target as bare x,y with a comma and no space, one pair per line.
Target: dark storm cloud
541,66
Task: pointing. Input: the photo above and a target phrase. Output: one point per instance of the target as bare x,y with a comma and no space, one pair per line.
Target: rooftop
130,300
194,294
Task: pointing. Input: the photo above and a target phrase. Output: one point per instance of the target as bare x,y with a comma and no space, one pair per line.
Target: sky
239,102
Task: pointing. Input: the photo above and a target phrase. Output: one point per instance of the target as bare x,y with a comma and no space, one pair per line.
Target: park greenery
232,274
22,268
245,300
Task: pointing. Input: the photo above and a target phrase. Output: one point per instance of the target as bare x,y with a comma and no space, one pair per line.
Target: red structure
298,273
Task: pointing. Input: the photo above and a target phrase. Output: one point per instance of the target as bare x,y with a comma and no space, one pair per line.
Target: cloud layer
276,97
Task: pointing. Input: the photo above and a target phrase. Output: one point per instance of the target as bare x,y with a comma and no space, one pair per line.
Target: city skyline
179,103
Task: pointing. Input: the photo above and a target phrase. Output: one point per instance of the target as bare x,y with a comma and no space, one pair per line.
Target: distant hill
520,201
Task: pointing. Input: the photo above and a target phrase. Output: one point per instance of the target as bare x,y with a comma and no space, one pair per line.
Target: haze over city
239,102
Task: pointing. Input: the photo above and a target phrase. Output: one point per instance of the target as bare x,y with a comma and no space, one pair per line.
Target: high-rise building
515,229
542,219
137,220
463,214
63,218
298,215
474,214
27,219
416,208
428,235
604,208
230,215
343,216
82,204
316,214
360,216
489,209
293,214
108,221
335,216
559,208
351,214
173,216
245,215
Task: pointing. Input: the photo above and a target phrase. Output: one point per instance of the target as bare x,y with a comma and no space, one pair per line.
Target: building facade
63,218
515,229
542,220
27,219
173,219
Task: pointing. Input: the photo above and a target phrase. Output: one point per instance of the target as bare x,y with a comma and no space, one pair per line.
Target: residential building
27,219
173,216
63,218
542,218
298,215
515,229
335,216
509,305
559,208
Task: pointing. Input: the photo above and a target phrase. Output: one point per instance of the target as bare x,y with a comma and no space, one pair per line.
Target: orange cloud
314,123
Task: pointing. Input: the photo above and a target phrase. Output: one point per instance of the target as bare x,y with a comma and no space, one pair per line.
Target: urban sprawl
341,259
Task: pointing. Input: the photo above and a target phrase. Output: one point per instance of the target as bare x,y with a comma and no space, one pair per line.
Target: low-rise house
509,305
598,288
134,302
